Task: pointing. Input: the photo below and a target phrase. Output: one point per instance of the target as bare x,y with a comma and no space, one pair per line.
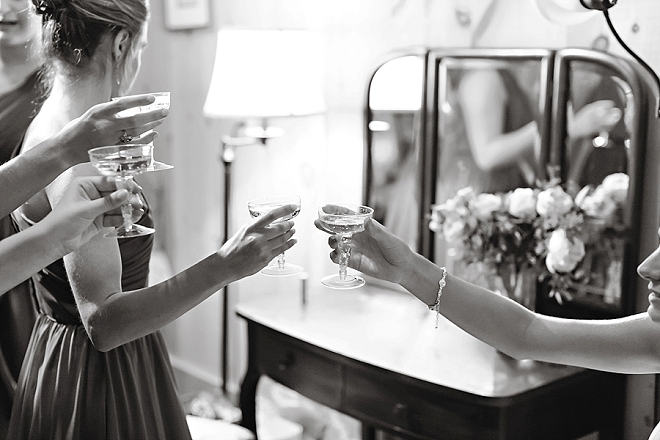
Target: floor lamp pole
227,156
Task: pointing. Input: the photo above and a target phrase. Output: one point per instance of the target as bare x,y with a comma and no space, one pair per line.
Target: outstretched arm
113,317
626,345
23,176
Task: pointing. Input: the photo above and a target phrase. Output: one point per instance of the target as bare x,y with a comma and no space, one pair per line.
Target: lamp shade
265,73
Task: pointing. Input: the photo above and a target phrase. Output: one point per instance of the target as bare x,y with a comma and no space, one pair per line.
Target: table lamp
259,75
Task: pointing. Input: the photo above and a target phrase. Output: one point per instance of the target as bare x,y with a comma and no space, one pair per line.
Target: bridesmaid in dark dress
96,365
19,102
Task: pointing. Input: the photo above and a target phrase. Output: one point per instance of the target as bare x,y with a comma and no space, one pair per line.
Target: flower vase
519,285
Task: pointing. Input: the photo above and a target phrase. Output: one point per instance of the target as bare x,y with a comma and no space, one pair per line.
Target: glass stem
126,208
344,255
280,261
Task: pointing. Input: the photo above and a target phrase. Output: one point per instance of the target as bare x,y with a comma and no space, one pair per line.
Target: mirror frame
368,135
432,99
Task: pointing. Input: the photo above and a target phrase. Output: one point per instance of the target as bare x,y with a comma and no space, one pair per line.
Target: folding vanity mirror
495,120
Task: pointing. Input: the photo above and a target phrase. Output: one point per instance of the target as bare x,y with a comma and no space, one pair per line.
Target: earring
117,76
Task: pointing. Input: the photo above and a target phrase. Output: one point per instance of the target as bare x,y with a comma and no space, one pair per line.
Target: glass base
287,270
159,166
134,231
350,282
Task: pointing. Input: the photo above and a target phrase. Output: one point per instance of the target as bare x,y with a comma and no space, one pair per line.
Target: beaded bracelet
436,306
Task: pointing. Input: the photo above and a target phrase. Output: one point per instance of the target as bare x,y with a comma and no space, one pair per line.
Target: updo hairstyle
74,29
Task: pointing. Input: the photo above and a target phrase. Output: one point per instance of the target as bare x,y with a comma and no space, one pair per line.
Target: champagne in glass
123,162
344,221
263,206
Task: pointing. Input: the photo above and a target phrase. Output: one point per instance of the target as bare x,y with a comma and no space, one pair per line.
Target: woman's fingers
286,245
128,102
275,214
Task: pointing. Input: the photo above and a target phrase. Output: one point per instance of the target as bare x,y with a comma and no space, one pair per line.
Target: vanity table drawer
410,409
291,363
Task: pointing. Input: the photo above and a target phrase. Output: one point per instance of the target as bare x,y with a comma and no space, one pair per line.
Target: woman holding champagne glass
97,366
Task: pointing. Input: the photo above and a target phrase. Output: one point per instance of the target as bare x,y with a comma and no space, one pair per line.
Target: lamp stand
227,156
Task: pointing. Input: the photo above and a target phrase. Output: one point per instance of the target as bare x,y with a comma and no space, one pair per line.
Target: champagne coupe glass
162,101
344,221
263,206
124,162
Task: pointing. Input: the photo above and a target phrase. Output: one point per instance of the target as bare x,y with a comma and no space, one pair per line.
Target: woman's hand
592,119
375,252
257,243
102,125
88,205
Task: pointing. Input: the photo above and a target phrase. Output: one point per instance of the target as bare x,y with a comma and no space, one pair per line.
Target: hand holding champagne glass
123,162
344,221
162,101
263,206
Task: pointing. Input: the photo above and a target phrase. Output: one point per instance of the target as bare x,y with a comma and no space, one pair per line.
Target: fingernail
165,112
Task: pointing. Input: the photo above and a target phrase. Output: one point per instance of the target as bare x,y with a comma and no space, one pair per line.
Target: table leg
368,432
247,400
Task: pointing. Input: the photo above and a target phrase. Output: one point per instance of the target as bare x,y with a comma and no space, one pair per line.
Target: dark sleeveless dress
456,165
17,311
69,390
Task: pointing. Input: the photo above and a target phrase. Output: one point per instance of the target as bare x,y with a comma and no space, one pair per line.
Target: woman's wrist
421,279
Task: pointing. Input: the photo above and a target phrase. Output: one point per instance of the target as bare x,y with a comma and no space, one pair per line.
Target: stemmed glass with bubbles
124,162
162,101
262,206
344,221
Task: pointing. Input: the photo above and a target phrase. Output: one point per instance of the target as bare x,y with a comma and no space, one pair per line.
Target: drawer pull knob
399,409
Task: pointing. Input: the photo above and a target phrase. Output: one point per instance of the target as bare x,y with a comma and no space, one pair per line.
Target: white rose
484,205
453,231
598,205
553,201
615,186
438,217
464,195
563,254
522,203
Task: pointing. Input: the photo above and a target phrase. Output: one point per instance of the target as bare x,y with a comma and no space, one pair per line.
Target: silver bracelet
436,306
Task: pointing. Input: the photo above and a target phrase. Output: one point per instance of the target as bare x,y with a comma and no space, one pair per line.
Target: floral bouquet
563,239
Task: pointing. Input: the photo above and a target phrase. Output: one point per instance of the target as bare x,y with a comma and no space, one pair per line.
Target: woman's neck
67,100
76,97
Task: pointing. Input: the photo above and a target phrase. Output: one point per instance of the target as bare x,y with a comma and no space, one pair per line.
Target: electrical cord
636,57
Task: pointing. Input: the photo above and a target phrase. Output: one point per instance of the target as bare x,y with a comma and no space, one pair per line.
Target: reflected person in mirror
628,345
98,316
595,125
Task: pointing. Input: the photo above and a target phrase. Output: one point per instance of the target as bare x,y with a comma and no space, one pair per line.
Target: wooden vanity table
375,354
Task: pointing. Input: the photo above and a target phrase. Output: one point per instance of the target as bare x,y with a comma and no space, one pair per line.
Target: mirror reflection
595,163
395,100
489,138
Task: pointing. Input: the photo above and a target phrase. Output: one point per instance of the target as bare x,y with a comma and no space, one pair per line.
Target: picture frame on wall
186,14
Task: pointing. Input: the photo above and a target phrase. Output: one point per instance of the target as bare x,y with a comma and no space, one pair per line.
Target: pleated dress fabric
68,389
17,310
